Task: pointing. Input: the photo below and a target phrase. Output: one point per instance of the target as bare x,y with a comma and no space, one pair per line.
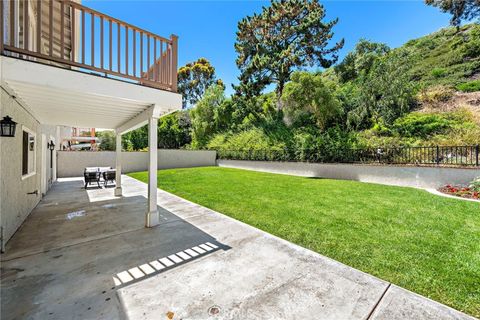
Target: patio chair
91,176
109,175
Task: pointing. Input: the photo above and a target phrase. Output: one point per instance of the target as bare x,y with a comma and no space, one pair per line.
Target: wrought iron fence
431,155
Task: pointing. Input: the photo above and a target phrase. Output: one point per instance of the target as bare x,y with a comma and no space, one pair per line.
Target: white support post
152,218
118,163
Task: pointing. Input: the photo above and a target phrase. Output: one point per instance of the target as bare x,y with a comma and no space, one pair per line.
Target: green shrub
475,184
252,139
333,145
418,124
467,134
438,72
381,129
369,140
470,86
472,49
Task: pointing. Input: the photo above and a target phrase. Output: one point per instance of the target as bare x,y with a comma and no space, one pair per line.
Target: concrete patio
85,254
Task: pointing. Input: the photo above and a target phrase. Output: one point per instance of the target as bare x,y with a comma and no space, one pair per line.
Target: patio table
99,169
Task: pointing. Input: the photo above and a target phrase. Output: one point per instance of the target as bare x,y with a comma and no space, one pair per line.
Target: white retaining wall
72,163
419,177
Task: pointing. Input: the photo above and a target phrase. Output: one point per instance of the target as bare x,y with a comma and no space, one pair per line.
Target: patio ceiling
58,96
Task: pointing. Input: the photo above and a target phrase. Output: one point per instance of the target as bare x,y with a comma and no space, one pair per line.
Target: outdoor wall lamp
51,146
7,127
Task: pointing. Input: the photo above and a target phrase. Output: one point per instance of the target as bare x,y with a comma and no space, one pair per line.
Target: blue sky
207,28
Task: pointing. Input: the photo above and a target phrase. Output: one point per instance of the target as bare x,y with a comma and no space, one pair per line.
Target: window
28,153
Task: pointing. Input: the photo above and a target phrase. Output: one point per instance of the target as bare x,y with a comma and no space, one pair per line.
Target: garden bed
460,191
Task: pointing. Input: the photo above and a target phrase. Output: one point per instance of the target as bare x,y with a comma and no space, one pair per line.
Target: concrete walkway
85,255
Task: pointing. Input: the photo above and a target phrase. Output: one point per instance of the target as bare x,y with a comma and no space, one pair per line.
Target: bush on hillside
435,94
470,86
424,129
468,134
438,72
333,145
252,139
447,56
423,125
369,140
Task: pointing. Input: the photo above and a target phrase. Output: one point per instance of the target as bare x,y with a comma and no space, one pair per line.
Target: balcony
69,35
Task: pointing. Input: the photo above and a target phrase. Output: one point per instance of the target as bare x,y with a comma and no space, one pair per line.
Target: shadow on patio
79,246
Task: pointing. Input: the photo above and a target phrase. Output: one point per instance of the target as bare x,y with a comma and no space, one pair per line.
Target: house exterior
64,65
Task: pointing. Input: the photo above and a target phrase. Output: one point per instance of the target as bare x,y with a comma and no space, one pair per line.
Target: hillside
445,68
448,56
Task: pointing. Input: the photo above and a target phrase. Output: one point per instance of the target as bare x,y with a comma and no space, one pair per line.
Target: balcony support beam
141,119
118,165
152,217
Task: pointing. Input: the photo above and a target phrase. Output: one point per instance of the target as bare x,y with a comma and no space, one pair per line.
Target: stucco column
118,165
152,218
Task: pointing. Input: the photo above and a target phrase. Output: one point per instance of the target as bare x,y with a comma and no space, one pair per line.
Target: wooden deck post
174,61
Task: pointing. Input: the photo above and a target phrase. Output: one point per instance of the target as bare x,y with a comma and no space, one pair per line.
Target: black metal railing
432,155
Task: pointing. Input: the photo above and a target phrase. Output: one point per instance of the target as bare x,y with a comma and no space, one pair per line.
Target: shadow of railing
157,266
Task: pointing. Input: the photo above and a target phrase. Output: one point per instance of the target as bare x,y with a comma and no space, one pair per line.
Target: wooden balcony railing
65,33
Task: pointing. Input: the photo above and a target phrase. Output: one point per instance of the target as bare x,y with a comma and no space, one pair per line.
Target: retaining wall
419,177
72,163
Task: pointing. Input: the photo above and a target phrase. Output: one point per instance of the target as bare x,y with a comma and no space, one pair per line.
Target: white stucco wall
15,203
72,163
419,177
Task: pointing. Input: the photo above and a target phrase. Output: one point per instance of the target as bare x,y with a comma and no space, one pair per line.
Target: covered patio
85,254
79,247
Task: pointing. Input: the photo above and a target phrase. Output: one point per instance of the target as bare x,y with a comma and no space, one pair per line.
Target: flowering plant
460,191
475,184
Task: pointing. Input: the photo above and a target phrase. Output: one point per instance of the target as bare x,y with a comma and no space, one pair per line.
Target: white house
63,64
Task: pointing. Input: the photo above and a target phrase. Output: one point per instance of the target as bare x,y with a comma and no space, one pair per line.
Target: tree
285,36
204,115
107,140
360,61
308,93
138,138
174,130
193,79
459,9
387,92
173,133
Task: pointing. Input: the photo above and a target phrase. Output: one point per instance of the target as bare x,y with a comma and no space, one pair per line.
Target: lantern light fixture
51,145
7,127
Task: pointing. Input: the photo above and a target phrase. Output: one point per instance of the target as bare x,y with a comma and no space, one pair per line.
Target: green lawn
419,241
